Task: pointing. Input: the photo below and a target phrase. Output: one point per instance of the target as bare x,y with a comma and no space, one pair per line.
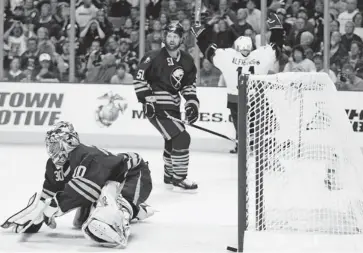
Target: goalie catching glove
31,218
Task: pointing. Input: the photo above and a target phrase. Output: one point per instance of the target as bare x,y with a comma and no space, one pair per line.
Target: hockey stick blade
202,128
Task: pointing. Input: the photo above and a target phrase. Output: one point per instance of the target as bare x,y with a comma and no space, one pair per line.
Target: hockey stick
201,128
198,9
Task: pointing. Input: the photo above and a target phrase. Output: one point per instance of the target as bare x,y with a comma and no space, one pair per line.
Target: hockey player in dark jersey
109,190
163,75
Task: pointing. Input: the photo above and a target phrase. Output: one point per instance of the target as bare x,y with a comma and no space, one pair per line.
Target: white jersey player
240,59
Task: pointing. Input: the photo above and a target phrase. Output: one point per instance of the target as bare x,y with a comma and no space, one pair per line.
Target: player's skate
184,185
145,211
168,182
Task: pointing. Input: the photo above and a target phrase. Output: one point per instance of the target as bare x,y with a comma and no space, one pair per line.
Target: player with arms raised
162,76
240,59
79,176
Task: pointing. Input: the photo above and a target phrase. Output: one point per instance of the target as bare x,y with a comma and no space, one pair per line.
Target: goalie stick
201,128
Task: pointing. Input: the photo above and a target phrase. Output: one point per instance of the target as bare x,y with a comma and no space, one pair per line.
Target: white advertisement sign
98,109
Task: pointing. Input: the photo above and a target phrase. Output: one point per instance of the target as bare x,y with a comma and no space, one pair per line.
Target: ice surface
203,222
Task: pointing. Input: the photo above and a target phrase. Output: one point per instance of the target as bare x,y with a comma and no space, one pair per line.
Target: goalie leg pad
107,226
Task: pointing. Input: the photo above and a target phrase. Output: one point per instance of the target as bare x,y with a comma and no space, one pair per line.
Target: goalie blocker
76,176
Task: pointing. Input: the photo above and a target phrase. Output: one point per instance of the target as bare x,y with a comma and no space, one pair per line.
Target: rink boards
109,115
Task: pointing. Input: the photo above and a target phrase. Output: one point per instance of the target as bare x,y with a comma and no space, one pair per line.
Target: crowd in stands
37,37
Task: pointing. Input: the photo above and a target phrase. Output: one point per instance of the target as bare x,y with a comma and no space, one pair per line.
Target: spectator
103,72
121,8
172,11
128,27
281,13
105,25
45,45
30,11
181,16
293,39
339,5
63,64
135,41
242,24
358,22
45,75
15,74
355,55
299,62
338,53
153,9
155,34
125,55
91,32
47,21
225,37
348,81
135,17
15,39
209,75
334,26
121,76
164,20
307,40
156,45
253,16
189,38
319,65
345,16
349,35
29,59
85,12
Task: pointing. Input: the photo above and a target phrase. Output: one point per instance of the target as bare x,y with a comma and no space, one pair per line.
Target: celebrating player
240,59
161,76
110,188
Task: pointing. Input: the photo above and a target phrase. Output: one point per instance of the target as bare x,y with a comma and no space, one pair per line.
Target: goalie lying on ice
108,190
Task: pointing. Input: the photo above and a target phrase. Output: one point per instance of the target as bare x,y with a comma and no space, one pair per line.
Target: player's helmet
60,140
173,28
243,45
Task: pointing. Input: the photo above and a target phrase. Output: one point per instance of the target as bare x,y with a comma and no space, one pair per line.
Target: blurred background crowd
37,37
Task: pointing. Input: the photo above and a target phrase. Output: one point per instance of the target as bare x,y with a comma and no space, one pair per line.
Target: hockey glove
51,211
32,213
191,112
274,22
149,107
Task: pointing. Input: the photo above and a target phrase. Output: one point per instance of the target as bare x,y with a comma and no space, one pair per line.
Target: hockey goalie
240,59
107,190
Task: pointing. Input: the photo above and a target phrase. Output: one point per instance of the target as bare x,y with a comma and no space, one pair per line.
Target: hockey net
304,170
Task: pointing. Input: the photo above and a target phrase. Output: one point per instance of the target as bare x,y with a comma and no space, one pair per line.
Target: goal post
300,170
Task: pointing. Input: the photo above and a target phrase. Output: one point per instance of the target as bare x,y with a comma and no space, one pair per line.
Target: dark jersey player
163,76
109,190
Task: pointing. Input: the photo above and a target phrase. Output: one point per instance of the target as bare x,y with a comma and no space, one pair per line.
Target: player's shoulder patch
149,57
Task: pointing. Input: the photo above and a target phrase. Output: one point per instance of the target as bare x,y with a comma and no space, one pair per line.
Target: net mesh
304,170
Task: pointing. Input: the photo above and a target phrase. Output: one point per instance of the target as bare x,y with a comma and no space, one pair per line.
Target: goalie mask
172,43
60,140
243,45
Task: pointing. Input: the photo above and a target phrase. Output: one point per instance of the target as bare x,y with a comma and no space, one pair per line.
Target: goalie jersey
80,181
164,77
229,61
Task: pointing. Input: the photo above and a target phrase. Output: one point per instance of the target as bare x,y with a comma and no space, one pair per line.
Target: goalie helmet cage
300,174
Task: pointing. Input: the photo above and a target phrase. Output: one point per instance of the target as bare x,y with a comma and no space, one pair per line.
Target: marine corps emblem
108,112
